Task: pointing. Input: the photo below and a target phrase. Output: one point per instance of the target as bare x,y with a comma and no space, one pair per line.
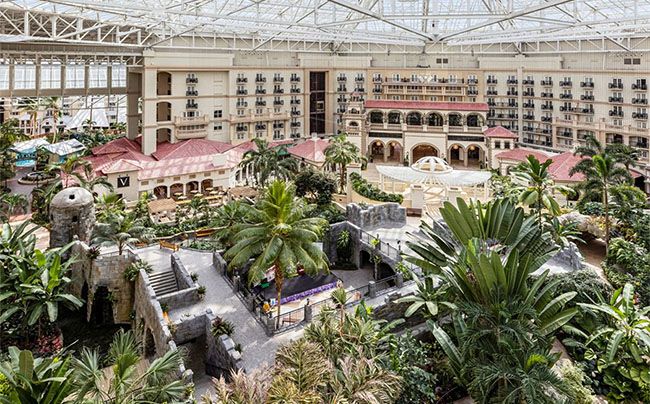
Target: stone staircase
163,282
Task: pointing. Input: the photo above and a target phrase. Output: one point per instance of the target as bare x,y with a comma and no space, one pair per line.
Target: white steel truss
409,26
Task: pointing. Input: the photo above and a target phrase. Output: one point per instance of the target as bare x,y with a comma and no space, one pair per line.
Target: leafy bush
642,231
330,213
222,327
591,208
131,272
316,186
628,262
587,283
367,190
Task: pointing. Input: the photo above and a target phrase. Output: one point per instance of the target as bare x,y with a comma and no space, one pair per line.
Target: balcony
587,111
242,92
547,83
191,93
529,117
341,78
616,113
566,96
260,103
512,92
547,95
564,108
260,79
492,81
295,113
190,121
260,91
616,100
547,119
529,94
295,124
472,81
529,105
472,92
359,79
376,79
359,90
242,80
529,82
587,97
643,101
278,91
294,102
278,102
242,104
639,87
342,90
192,80
278,79
191,105
615,86
587,84
491,92
639,115
512,81
566,83
294,91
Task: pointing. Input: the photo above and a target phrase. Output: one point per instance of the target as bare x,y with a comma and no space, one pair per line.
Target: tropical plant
12,203
9,134
243,388
426,297
36,380
536,186
280,237
621,344
266,162
227,220
66,170
601,173
341,152
32,107
120,229
624,154
131,272
107,205
127,382
627,204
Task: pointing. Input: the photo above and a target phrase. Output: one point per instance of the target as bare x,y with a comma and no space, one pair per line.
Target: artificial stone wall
221,357
72,213
149,315
331,237
183,277
375,216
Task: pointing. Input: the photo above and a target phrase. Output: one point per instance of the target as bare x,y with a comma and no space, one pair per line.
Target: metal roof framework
504,26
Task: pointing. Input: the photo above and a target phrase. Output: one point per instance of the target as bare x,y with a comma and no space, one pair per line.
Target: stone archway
376,117
149,344
163,135
474,156
414,118
376,150
423,150
192,186
176,189
456,154
435,119
163,111
206,183
163,83
395,151
160,192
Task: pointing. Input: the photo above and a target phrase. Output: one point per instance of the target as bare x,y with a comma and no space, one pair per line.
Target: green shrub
586,282
591,208
642,231
367,190
5,387
574,378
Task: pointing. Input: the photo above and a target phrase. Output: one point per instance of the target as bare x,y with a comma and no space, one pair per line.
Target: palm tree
266,162
9,134
536,186
32,106
120,229
68,169
624,154
601,174
51,104
281,237
340,152
87,179
127,382
108,204
228,219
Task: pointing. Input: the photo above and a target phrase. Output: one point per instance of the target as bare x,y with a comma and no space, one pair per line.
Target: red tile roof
190,148
521,155
428,105
117,146
311,149
499,132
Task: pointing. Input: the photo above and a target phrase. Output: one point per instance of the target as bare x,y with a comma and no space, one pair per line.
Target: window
118,75
240,135
218,113
4,76
25,76
396,77
50,75
74,76
98,76
218,126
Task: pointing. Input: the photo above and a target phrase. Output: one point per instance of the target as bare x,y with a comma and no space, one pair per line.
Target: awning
28,146
162,205
455,178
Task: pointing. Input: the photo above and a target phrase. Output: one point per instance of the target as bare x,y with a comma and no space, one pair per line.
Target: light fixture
455,147
377,143
471,147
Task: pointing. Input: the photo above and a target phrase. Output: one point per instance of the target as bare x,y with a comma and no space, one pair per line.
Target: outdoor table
214,193
209,189
182,197
178,194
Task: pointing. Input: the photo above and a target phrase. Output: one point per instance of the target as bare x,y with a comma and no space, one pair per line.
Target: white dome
432,164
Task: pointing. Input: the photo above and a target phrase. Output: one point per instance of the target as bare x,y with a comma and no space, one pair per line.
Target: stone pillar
236,283
72,213
308,312
372,289
399,279
133,92
417,196
270,326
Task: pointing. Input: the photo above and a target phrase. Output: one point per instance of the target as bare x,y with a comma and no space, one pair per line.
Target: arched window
394,117
435,120
414,118
376,117
455,120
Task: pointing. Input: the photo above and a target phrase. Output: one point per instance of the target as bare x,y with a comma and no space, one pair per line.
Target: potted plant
201,291
165,310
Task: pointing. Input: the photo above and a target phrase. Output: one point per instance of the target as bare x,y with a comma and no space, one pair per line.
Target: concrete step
163,282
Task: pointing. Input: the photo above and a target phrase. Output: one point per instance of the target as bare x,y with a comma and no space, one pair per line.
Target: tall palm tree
127,383
9,134
51,104
340,152
535,186
32,106
624,154
267,162
280,237
228,219
67,169
120,229
601,174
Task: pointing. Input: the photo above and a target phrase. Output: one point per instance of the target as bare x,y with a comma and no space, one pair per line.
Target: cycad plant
120,229
281,237
127,382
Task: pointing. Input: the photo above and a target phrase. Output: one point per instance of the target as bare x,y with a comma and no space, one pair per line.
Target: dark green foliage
586,282
642,231
222,327
367,190
590,208
330,212
628,262
315,186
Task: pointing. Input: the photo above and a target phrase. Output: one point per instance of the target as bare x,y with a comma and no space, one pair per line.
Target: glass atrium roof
151,23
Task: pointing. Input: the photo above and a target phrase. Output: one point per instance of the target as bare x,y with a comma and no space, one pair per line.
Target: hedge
367,190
